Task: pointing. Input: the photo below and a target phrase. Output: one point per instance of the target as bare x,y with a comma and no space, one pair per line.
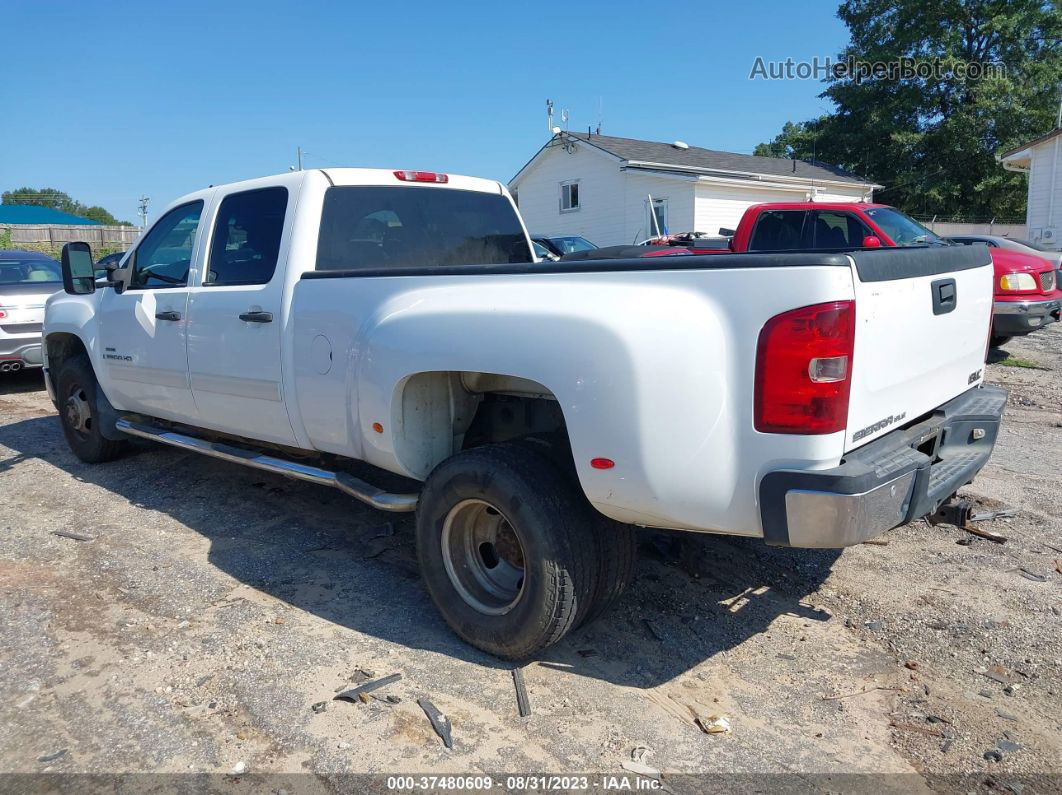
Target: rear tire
617,556
76,390
506,547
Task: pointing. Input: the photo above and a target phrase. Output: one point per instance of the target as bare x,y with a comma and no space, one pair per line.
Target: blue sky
108,100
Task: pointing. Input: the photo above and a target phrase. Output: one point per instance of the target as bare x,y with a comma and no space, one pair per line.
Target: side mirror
79,273
871,241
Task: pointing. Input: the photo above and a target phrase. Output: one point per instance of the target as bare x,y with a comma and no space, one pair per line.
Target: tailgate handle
945,296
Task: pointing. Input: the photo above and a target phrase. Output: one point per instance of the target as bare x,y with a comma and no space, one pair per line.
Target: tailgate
915,349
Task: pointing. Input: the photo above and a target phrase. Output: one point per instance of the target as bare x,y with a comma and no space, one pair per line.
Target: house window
658,225
569,198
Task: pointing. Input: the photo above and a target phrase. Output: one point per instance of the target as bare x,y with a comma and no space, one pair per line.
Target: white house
1039,159
599,186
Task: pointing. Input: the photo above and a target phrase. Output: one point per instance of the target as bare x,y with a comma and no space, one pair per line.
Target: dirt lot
213,607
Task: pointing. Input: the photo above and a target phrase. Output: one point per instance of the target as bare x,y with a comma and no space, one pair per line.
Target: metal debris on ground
355,694
73,535
877,542
439,722
911,727
713,724
1031,575
320,706
523,705
52,757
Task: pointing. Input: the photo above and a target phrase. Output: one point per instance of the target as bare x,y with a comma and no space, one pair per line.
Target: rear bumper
27,353
898,478
1013,318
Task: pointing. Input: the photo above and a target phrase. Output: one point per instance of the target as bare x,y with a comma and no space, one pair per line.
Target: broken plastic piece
713,724
439,722
355,694
522,702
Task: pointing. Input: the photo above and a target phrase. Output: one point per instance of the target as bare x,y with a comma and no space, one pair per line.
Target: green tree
932,141
59,200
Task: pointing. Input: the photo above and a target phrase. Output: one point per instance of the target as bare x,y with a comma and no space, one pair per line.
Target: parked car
27,279
559,245
534,411
1026,294
1013,244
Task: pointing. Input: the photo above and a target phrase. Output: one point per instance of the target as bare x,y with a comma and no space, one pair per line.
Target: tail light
804,370
3,314
421,176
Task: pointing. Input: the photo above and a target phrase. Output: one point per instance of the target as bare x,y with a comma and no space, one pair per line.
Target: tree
932,140
58,200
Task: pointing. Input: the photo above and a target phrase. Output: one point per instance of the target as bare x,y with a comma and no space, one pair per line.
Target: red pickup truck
1026,293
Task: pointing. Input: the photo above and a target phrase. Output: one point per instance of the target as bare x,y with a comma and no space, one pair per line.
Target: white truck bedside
356,327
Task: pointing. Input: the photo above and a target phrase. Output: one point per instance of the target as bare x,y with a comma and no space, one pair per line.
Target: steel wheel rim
483,557
77,411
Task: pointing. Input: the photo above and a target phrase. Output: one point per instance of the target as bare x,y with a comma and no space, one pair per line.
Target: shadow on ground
324,553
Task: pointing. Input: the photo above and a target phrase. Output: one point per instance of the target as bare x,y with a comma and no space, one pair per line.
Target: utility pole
142,211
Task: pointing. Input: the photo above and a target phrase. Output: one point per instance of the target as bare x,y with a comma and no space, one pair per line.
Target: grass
1014,361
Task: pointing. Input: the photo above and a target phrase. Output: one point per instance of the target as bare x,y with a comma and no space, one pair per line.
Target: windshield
571,244
902,229
29,271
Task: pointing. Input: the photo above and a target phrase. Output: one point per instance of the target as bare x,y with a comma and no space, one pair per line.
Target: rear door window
779,230
837,230
369,228
247,234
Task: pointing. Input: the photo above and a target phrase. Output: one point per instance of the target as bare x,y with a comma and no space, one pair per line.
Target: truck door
143,328
234,357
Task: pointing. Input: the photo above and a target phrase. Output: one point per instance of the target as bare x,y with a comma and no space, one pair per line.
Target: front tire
76,390
506,547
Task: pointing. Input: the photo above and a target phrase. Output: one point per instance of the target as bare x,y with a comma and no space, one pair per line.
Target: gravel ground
215,611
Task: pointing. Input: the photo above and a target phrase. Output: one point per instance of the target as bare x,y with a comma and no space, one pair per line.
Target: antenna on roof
600,113
549,114
564,118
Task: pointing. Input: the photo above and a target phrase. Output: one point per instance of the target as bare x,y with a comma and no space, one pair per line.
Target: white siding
613,201
680,205
1040,216
600,214
719,206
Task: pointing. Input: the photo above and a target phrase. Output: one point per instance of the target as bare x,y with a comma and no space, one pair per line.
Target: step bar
348,484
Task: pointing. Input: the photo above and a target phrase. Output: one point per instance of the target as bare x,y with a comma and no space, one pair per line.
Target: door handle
257,317
171,315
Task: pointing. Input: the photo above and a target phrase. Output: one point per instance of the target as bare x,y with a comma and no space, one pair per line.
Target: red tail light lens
804,370
421,176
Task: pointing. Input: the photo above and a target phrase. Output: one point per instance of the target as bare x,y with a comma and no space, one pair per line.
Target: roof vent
680,145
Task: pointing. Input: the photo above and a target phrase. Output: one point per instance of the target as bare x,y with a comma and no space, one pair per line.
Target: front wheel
76,390
506,547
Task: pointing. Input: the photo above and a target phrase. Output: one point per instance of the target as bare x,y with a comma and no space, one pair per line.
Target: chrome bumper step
347,483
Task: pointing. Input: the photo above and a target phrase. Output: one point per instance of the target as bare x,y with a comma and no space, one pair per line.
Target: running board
348,484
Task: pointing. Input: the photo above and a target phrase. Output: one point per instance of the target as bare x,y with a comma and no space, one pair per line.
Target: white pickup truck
347,326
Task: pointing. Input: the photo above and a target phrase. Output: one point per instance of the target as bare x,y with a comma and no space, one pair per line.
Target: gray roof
695,157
